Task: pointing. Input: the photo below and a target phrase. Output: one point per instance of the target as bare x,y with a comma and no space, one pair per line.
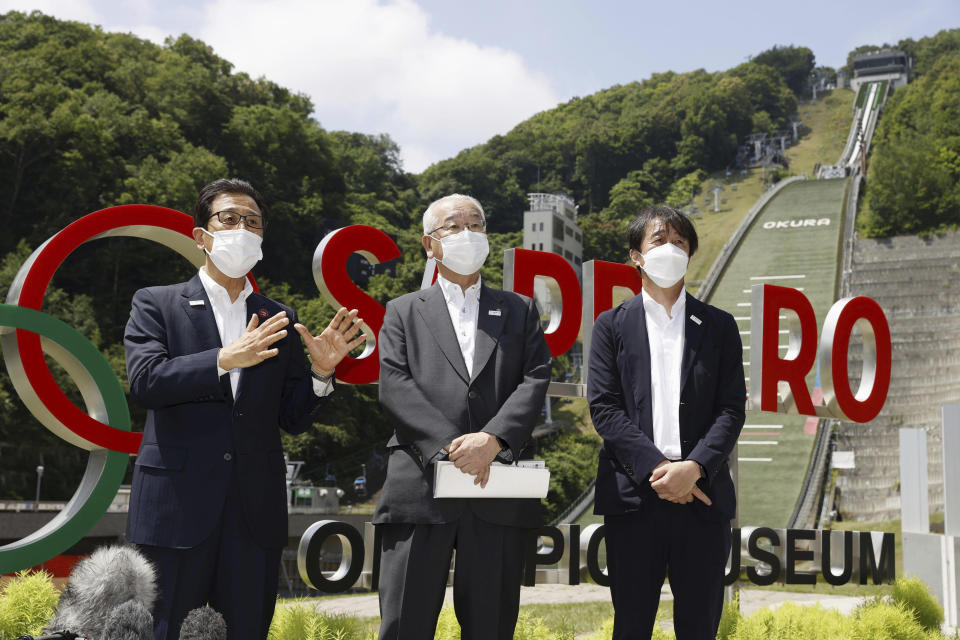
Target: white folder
526,479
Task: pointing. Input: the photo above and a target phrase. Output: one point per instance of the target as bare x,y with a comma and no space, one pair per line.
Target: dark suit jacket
712,398
198,438
425,387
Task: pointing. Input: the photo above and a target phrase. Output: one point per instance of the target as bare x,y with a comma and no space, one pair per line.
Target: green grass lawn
564,619
714,229
829,120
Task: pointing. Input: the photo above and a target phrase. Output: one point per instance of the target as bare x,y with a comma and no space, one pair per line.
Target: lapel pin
196,303
695,319
494,312
262,313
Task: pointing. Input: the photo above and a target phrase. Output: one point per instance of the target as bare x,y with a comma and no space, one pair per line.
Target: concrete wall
917,283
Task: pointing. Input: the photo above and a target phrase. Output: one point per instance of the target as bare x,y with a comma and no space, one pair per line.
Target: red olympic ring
48,259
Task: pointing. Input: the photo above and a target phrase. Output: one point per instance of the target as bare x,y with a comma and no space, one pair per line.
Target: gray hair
432,214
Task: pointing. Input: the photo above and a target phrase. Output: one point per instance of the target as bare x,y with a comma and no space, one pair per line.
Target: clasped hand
326,350
472,453
677,482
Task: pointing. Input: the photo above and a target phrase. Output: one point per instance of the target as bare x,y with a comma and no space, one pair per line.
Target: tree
794,64
913,181
686,189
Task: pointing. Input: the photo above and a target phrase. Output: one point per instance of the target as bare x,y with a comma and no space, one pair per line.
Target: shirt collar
453,293
652,306
217,292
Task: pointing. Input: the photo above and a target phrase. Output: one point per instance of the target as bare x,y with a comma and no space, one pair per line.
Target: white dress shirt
464,308
231,319
665,334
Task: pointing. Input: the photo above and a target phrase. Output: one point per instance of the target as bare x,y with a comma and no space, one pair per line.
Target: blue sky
442,75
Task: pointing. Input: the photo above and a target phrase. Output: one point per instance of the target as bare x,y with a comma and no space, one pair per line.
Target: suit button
227,456
473,395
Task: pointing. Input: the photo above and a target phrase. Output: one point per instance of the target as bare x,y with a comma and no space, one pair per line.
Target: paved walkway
366,606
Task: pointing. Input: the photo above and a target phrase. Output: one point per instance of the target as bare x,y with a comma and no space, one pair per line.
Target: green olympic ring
105,469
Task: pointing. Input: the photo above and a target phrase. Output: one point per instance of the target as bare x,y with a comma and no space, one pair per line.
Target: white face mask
235,251
666,265
464,252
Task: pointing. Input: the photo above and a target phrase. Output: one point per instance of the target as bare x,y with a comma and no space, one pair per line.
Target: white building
892,65
551,225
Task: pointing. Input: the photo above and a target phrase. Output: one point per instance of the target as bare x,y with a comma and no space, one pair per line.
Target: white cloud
79,10
370,66
376,68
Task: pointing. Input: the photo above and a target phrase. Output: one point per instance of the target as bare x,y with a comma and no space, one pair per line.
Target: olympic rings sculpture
26,334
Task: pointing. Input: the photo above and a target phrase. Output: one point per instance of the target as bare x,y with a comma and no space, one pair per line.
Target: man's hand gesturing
253,347
336,341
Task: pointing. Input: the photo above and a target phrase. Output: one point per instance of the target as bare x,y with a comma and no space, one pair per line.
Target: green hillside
913,179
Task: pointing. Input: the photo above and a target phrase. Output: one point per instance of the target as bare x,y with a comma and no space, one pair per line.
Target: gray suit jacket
425,387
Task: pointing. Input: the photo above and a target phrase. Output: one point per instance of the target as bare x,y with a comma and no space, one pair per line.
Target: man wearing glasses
220,374
464,371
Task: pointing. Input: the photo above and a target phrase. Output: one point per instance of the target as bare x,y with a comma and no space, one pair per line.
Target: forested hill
627,145
913,179
90,119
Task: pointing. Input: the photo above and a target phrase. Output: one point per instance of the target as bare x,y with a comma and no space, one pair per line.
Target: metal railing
576,508
807,510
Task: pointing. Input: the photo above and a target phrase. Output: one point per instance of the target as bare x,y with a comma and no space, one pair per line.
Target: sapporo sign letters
104,428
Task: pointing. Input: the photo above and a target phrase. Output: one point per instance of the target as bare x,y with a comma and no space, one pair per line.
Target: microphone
203,624
129,621
98,584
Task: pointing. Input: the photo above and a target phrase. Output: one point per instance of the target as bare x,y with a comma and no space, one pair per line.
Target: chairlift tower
716,196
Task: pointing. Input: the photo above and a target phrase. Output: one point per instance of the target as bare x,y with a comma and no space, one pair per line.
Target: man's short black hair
202,213
670,216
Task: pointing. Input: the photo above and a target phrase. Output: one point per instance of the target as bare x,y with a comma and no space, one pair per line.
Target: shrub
528,628
26,604
606,632
300,621
916,597
660,634
729,618
793,622
447,626
882,621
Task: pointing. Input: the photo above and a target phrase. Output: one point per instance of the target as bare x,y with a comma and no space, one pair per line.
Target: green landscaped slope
774,450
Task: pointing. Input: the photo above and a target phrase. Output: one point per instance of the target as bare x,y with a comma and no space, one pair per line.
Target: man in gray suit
464,371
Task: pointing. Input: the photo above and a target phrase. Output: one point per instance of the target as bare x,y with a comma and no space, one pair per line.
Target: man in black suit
464,371
667,394
219,375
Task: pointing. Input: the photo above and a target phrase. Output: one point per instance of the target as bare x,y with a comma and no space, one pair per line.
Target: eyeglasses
453,228
232,219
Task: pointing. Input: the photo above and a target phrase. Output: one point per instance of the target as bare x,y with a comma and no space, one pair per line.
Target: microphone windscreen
99,583
129,621
203,624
